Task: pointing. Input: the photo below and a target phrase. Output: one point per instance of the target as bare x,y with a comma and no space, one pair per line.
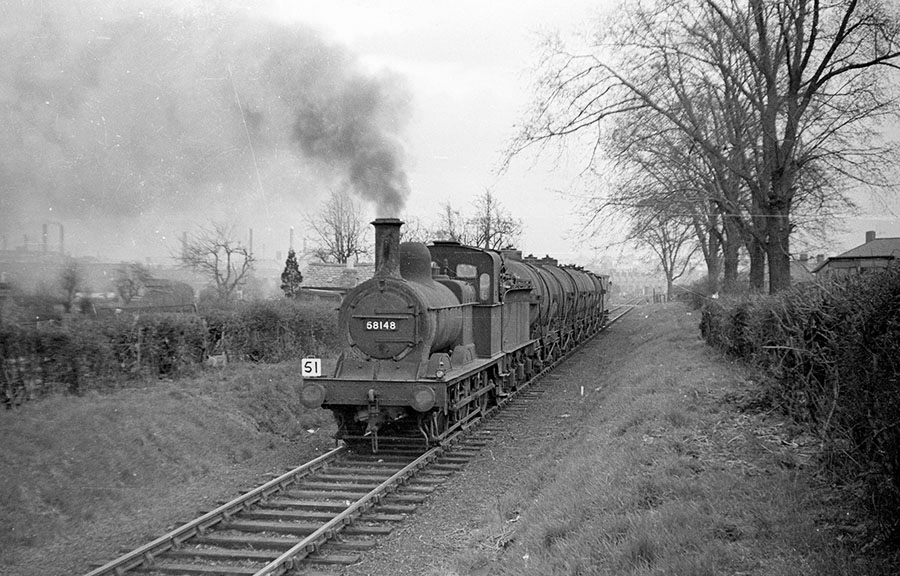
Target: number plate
311,367
381,325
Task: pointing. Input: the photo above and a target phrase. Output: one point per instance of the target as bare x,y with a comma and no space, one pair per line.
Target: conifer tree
291,277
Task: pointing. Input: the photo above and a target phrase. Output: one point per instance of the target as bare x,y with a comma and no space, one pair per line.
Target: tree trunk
712,274
730,255
757,253
778,251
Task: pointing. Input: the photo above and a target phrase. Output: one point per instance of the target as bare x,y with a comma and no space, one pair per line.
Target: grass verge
673,468
76,470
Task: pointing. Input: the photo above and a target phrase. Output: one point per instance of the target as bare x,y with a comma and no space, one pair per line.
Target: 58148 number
381,324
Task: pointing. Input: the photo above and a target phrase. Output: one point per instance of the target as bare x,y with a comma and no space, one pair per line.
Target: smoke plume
120,110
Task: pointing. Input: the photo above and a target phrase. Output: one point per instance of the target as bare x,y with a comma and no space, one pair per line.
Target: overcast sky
468,65
131,126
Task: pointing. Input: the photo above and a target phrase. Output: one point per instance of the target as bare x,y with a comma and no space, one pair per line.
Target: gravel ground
466,523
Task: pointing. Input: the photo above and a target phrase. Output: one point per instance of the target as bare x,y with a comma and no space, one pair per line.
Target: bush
79,353
274,330
832,354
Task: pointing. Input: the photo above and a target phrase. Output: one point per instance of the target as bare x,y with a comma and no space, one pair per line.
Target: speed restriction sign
311,367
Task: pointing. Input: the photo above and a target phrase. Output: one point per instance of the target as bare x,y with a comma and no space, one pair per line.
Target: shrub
832,354
275,330
79,353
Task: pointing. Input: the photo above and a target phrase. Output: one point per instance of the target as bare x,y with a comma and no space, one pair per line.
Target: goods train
442,332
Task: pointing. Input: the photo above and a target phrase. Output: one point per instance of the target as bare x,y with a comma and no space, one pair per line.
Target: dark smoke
349,129
124,111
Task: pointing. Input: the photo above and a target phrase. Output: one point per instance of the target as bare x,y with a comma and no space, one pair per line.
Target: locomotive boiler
442,332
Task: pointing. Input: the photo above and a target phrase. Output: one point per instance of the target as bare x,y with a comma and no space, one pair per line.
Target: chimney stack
870,235
291,244
387,247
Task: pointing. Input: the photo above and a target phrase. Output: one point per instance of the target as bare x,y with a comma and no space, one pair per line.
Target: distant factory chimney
291,243
870,235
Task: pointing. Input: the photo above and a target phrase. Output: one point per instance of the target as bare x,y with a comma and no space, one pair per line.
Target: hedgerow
832,355
273,330
80,353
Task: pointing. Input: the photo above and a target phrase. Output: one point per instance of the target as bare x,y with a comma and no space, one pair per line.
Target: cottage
326,281
875,253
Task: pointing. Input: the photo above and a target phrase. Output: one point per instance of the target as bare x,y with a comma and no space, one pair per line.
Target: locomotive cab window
466,271
484,286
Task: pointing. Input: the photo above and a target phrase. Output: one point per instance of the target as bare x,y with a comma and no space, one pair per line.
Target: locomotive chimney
387,247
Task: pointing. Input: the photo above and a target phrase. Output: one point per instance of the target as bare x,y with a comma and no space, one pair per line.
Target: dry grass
668,472
71,465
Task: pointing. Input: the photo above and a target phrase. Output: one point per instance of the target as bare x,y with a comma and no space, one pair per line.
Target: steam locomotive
442,332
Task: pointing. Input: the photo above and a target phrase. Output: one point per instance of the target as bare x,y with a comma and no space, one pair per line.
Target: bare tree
340,234
452,225
491,225
219,257
672,240
765,90
415,230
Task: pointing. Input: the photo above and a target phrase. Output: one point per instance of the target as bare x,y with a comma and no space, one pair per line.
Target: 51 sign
311,367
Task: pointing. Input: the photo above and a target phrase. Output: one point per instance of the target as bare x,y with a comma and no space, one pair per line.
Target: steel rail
311,543
147,552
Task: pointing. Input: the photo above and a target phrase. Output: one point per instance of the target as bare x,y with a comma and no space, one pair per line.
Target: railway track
325,512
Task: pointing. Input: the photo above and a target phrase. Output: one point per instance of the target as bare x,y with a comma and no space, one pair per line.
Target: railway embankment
649,452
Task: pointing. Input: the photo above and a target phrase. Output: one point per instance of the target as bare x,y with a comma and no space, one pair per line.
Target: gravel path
468,521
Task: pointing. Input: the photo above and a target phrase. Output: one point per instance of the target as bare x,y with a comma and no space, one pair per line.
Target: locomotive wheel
437,426
482,403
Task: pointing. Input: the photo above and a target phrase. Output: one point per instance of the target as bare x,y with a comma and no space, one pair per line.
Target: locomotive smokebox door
379,327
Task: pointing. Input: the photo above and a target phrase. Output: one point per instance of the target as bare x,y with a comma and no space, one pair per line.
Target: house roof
884,248
335,276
